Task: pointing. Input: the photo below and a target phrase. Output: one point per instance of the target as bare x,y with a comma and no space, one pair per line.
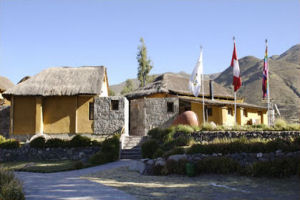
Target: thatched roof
5,83
221,103
176,84
62,81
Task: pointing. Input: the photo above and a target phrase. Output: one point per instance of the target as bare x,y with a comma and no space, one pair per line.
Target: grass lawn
43,166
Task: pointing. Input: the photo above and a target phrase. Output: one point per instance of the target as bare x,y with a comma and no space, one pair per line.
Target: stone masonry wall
4,120
26,153
108,121
157,114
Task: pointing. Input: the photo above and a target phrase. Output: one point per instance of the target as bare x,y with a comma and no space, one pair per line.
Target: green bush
80,141
183,140
177,150
158,153
207,127
2,139
10,144
38,142
280,124
109,152
184,129
176,167
78,165
56,142
149,147
277,168
162,135
10,188
217,165
96,143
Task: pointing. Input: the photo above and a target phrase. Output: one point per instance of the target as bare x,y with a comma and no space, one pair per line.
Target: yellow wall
84,125
23,113
217,115
254,114
160,95
59,114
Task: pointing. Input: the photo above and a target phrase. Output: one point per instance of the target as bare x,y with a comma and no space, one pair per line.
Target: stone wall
4,120
109,120
211,135
26,153
149,113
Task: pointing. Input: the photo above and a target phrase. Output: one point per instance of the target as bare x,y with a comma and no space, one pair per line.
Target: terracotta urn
186,118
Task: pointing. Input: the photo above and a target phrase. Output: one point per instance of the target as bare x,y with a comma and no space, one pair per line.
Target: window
170,106
245,113
230,112
208,111
91,111
114,105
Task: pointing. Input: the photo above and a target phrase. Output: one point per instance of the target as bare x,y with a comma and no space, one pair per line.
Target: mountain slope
284,81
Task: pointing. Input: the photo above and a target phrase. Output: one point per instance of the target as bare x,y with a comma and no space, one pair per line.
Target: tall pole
202,83
235,122
268,84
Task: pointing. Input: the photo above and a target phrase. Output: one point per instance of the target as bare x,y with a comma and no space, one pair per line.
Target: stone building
153,100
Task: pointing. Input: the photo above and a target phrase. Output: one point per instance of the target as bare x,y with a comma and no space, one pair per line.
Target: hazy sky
37,34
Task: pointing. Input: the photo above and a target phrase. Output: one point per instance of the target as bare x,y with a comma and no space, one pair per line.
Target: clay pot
186,118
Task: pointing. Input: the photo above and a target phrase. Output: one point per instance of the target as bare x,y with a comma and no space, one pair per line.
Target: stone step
134,147
130,151
133,157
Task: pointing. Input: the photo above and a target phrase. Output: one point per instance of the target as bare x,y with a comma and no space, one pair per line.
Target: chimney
211,89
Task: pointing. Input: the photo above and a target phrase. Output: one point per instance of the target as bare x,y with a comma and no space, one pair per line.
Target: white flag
195,79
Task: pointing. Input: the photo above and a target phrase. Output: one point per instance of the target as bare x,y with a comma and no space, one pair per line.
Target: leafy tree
111,92
145,65
128,87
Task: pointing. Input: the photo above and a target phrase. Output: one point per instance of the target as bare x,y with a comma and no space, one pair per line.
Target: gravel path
69,185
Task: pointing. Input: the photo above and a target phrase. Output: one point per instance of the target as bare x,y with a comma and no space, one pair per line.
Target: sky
38,34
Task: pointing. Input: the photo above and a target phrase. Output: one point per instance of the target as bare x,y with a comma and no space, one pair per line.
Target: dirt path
69,185
206,187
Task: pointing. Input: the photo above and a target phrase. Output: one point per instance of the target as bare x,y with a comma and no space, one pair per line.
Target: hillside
284,81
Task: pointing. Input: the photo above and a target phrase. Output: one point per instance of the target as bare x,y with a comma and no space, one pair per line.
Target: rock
259,155
186,118
81,154
160,162
177,157
137,166
279,152
150,162
213,124
214,155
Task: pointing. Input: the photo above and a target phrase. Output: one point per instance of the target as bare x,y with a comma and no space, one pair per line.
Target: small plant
10,144
207,127
2,139
10,188
56,142
280,124
218,165
183,140
184,129
38,142
78,165
149,148
80,141
177,150
158,153
176,167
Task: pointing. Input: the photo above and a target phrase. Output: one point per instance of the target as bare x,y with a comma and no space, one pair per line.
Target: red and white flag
237,82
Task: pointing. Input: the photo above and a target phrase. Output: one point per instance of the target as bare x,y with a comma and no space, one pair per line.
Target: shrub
38,142
293,127
174,151
207,127
78,165
217,165
109,151
10,188
176,167
149,148
277,168
182,140
56,142
80,141
280,124
184,129
158,153
96,143
162,135
2,139
10,144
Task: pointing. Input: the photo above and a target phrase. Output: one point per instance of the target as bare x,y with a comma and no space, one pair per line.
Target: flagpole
202,82
234,96
268,87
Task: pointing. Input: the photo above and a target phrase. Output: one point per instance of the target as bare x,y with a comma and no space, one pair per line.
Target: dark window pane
114,105
170,106
91,111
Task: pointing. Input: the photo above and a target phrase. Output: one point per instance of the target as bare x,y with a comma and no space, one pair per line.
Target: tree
128,87
111,92
144,63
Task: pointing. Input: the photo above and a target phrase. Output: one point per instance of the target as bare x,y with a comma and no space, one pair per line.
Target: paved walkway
69,186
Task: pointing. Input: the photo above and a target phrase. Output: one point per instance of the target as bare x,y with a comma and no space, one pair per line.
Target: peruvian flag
237,82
